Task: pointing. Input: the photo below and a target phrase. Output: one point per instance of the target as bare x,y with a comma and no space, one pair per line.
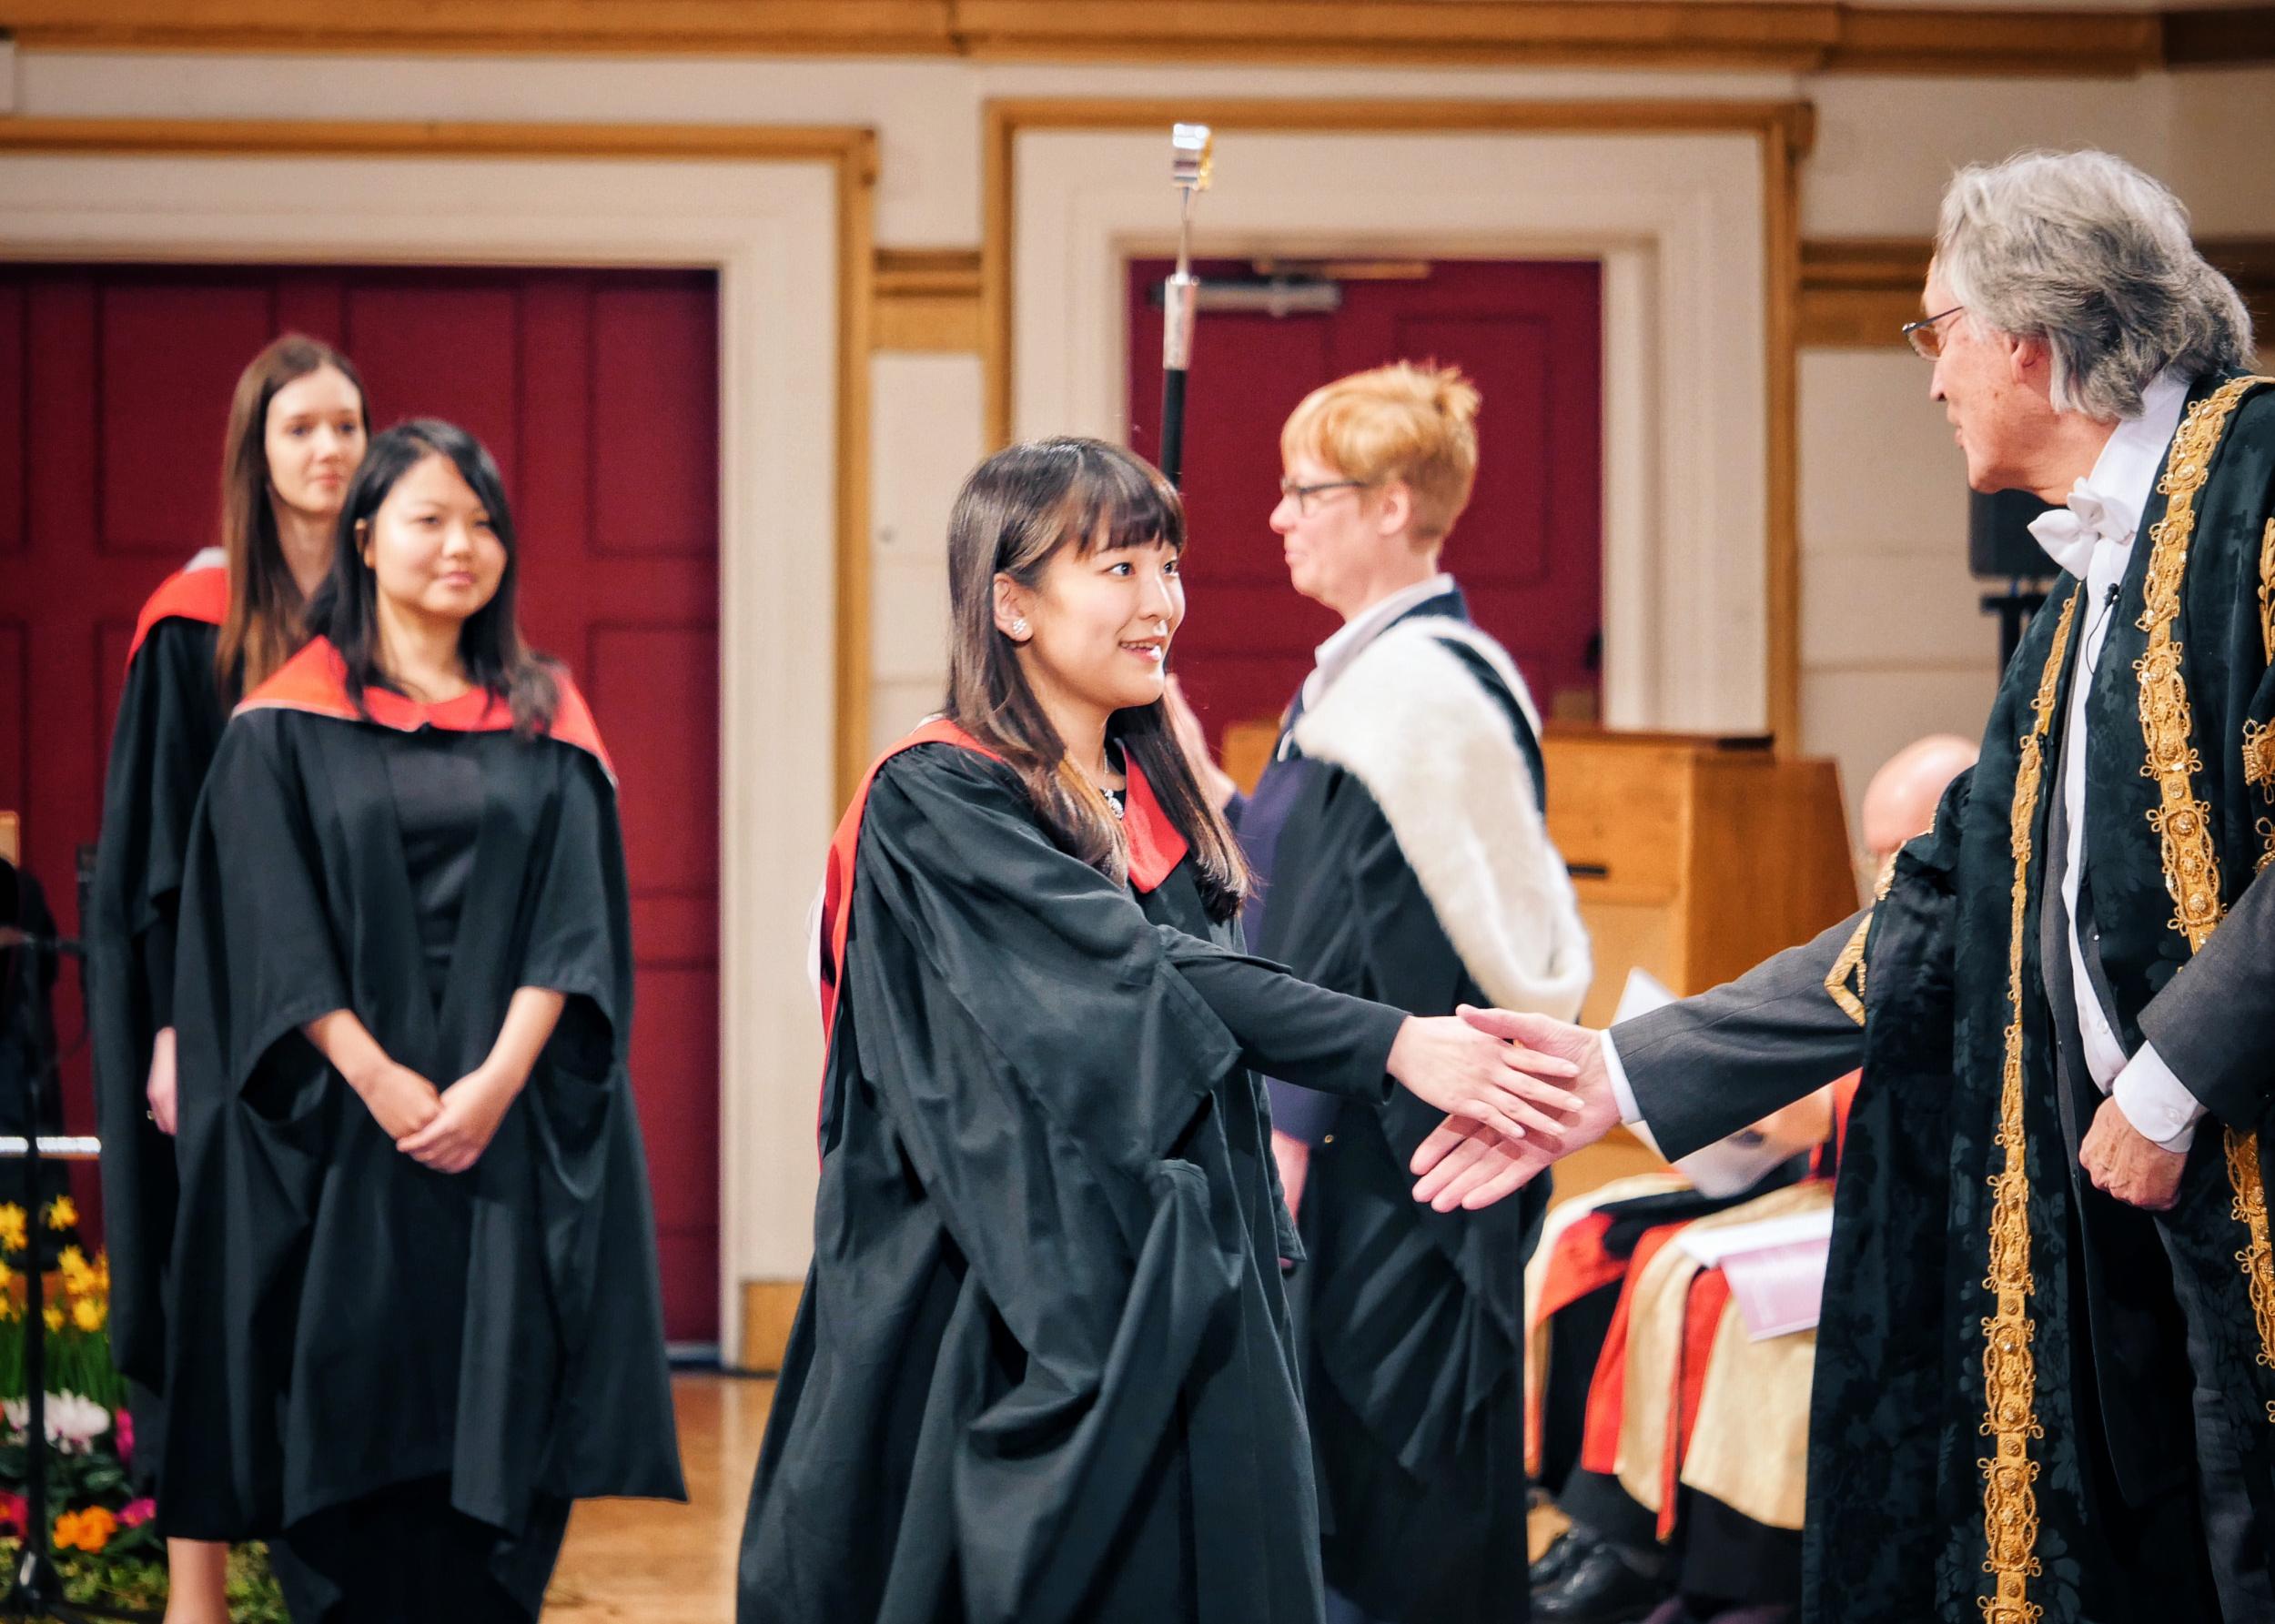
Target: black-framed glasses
1925,337
1305,493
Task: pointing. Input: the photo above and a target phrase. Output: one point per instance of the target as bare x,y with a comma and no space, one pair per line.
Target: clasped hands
445,1129
1541,1092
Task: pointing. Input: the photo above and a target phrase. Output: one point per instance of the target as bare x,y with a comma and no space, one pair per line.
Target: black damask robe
2001,1425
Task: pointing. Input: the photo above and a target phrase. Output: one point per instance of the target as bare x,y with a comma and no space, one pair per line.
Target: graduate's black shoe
1557,1560
1598,1588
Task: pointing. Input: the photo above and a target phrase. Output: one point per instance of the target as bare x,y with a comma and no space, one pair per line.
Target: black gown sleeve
1325,1040
170,714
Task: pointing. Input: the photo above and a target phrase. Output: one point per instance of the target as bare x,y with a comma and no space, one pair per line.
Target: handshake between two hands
1519,1091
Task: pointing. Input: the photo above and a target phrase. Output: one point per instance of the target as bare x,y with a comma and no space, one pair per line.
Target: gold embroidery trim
2258,739
2010,1376
1845,983
2183,822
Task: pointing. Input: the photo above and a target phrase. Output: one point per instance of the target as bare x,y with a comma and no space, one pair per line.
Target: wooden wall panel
1790,35
1857,294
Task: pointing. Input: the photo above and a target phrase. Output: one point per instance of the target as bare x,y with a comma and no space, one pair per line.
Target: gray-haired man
2045,1386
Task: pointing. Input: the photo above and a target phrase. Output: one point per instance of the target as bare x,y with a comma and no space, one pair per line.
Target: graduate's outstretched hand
1467,1164
1460,1167
1445,1062
472,1107
400,1100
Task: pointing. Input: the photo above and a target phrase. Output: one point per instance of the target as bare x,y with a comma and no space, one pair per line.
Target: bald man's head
1900,801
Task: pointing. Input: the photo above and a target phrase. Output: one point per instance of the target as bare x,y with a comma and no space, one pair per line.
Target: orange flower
89,1530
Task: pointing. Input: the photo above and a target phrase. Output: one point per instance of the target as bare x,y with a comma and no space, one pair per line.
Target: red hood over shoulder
314,680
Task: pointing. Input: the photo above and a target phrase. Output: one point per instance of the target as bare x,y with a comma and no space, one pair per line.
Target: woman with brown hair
415,1308
297,431
1043,1368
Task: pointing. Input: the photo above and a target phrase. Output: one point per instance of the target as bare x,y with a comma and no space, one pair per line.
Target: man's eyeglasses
1925,336
1304,494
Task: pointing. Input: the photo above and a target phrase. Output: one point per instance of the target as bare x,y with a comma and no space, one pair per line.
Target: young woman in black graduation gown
298,427
417,1305
1042,1370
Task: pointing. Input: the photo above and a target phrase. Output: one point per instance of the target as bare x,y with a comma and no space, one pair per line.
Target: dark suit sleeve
1709,1065
1289,1028
2210,1022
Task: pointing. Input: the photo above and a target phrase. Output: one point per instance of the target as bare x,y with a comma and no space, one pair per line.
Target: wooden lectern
1694,857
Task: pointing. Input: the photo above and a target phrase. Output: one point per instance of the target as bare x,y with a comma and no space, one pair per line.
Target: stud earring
1019,628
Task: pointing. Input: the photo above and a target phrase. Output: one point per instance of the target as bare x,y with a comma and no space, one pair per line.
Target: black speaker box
1999,545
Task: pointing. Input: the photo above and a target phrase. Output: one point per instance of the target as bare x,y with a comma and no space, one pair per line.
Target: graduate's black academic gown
1043,1368
170,717
351,1327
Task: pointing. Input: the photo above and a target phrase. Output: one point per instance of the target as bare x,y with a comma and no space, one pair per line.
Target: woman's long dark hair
1015,510
262,629
345,609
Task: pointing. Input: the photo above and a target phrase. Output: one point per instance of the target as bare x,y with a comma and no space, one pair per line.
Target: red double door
596,391
1528,551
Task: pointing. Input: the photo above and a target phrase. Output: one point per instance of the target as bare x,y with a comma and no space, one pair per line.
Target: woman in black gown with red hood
1042,1370
298,427
417,1305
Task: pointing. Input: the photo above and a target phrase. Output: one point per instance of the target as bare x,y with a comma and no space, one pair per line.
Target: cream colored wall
1892,642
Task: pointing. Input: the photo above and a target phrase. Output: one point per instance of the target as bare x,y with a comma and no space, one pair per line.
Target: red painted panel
674,1041
655,692
171,352
655,479
16,767
14,414
442,345
1529,549
510,355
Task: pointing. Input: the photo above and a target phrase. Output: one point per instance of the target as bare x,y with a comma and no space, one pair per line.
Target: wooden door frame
1784,130
759,988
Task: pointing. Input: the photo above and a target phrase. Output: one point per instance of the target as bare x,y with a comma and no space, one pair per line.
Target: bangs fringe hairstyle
1015,511
346,607
262,629
1414,423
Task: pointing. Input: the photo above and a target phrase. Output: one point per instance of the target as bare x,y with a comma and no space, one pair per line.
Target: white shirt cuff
2158,1104
1621,1090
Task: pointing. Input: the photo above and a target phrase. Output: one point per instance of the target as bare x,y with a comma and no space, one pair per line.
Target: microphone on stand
1190,145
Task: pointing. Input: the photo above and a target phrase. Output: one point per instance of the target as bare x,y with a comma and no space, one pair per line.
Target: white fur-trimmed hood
1409,720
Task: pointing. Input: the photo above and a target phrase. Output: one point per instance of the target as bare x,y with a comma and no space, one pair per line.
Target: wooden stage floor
663,1564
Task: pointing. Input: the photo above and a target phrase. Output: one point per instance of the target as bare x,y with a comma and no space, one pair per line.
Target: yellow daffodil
78,1275
10,1309
62,1213
86,1314
55,1316
13,1235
